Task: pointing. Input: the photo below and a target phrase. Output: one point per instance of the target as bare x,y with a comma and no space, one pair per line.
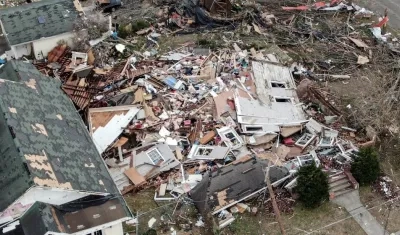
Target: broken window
232,138
98,233
305,140
278,84
282,99
305,160
254,128
326,141
155,156
203,151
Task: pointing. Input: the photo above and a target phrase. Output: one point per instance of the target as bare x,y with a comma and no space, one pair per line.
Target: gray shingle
32,21
50,138
235,181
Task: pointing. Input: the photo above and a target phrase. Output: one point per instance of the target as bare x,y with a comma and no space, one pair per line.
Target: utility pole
274,204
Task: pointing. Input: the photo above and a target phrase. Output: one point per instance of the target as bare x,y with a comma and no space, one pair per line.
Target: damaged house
52,178
36,28
234,183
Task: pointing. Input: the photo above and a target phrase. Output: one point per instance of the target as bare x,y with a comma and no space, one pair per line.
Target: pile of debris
207,122
385,186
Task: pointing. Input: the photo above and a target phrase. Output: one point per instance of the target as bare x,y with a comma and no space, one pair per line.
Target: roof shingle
33,21
51,148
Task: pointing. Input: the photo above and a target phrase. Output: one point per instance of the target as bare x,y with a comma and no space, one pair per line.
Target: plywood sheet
102,118
134,176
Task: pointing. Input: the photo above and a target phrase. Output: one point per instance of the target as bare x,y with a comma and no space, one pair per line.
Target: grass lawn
301,222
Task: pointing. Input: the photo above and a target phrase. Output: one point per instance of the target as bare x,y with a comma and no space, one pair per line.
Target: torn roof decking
29,22
80,96
44,141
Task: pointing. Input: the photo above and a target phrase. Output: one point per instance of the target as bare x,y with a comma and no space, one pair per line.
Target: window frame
290,100
280,83
196,153
158,152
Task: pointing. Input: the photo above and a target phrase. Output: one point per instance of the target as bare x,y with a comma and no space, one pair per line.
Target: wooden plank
208,137
134,176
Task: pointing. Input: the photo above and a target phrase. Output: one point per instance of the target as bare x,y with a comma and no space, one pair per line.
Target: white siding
114,230
265,73
111,228
46,195
22,50
51,196
45,45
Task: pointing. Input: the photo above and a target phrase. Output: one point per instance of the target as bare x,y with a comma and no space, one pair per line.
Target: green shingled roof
43,140
33,21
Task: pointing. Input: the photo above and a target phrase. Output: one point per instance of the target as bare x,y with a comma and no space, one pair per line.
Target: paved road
351,201
378,6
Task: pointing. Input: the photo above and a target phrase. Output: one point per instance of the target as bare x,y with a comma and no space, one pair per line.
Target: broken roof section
47,144
143,163
44,218
273,81
278,104
230,184
29,22
256,117
107,124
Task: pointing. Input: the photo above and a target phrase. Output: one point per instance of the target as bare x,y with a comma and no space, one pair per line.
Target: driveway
351,201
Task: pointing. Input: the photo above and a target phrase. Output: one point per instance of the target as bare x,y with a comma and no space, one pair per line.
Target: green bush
365,167
139,25
312,186
123,32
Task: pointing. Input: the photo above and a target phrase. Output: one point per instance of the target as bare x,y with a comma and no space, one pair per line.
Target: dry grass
388,214
303,220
